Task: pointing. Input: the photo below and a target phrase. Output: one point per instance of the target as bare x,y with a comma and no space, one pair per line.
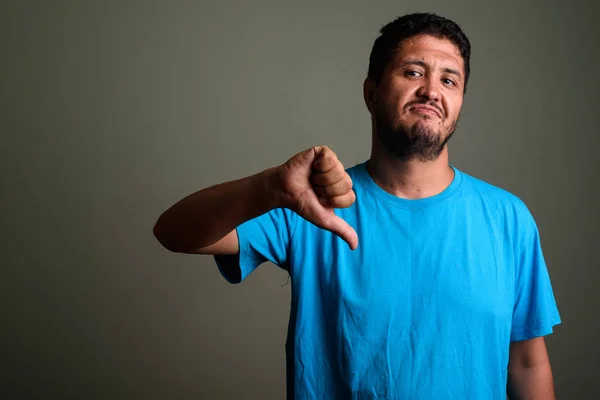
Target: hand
314,182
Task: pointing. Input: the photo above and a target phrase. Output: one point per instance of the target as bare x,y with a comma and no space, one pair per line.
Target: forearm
531,383
204,217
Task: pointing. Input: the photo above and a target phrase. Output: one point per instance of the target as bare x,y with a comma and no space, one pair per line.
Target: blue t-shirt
424,308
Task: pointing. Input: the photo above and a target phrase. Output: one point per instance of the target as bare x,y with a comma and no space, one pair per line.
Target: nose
429,89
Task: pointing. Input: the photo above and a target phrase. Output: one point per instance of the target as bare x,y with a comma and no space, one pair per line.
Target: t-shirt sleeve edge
542,330
235,268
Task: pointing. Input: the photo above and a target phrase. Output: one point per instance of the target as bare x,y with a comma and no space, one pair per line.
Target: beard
416,142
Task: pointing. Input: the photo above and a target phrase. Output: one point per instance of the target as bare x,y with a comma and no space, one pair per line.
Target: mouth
426,110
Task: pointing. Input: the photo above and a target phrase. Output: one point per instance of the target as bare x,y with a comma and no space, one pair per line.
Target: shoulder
494,195
506,210
501,206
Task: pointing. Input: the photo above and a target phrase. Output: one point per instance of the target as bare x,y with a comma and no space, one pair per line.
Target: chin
428,119
425,127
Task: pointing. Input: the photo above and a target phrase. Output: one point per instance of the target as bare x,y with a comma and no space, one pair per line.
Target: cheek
397,104
390,104
396,94
454,105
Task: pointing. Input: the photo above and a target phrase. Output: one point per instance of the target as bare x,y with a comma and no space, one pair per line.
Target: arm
529,371
311,184
204,222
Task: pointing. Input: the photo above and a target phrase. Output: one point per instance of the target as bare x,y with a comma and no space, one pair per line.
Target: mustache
427,103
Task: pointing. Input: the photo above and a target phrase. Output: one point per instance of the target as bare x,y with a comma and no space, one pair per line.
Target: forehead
431,50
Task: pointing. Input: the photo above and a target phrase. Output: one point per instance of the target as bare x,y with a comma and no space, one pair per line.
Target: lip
422,108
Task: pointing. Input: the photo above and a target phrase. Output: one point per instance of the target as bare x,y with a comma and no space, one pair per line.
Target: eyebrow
422,64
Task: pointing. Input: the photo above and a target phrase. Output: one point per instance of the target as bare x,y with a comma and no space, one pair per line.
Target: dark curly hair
407,26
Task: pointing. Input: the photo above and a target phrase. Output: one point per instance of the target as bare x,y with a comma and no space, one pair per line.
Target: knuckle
348,182
335,202
342,201
337,188
336,174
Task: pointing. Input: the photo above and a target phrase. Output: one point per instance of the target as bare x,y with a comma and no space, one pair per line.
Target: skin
529,371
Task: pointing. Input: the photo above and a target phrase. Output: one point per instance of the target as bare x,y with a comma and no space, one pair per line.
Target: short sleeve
535,312
264,238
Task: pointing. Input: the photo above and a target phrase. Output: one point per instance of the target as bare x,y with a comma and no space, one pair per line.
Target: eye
413,73
448,82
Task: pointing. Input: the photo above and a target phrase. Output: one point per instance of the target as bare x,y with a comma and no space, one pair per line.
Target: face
416,105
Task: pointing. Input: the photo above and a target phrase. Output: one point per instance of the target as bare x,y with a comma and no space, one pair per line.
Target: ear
370,94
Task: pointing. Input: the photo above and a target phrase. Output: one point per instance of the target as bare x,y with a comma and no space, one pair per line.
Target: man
410,279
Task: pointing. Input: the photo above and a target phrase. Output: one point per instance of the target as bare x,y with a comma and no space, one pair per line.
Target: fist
314,182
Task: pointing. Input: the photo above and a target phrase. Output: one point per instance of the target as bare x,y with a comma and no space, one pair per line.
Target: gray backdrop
112,111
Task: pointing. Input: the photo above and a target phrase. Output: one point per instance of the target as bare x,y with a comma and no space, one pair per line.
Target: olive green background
113,110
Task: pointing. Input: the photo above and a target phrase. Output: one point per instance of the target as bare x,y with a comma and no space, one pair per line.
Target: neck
411,179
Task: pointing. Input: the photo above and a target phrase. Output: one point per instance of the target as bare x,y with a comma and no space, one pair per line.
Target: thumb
341,228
